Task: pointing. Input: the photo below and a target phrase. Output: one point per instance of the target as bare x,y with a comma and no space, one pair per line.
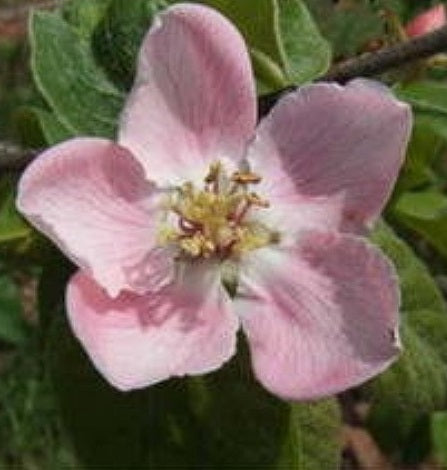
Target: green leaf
416,384
107,428
439,436
418,289
84,15
284,41
77,90
12,326
118,37
431,327
425,96
313,440
405,396
29,130
257,430
260,28
308,54
436,122
425,205
269,76
425,213
12,226
259,25
424,146
53,129
349,26
421,368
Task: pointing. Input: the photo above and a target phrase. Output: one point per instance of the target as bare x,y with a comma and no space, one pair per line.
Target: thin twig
374,63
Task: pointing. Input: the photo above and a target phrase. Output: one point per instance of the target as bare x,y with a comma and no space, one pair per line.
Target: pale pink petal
326,140
193,101
90,197
320,317
290,219
427,21
136,341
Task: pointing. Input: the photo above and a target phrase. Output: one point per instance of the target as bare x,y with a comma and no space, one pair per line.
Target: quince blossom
193,204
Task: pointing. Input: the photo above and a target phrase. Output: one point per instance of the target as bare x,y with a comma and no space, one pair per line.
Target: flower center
217,219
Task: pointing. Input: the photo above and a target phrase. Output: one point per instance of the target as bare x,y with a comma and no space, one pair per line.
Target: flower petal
320,317
194,100
90,197
136,341
427,21
324,140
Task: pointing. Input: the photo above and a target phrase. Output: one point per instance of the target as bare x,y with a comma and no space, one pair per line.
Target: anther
245,177
255,200
189,226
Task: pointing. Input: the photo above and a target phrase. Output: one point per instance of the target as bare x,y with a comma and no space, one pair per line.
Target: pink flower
192,203
427,21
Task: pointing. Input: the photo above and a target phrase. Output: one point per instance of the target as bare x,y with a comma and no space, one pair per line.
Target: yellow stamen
214,223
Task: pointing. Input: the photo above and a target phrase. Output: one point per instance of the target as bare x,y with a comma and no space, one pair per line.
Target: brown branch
374,63
371,64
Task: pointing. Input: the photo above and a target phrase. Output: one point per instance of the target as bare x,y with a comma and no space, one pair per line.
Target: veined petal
325,140
320,317
193,101
136,341
91,198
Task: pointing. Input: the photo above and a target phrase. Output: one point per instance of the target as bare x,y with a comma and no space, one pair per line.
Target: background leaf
416,385
423,149
348,25
52,129
84,15
118,37
308,54
439,436
76,89
284,41
313,440
425,213
259,25
425,96
12,225
260,28
12,326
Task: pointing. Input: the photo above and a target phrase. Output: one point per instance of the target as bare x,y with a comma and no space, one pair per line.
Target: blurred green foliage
405,395
439,435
